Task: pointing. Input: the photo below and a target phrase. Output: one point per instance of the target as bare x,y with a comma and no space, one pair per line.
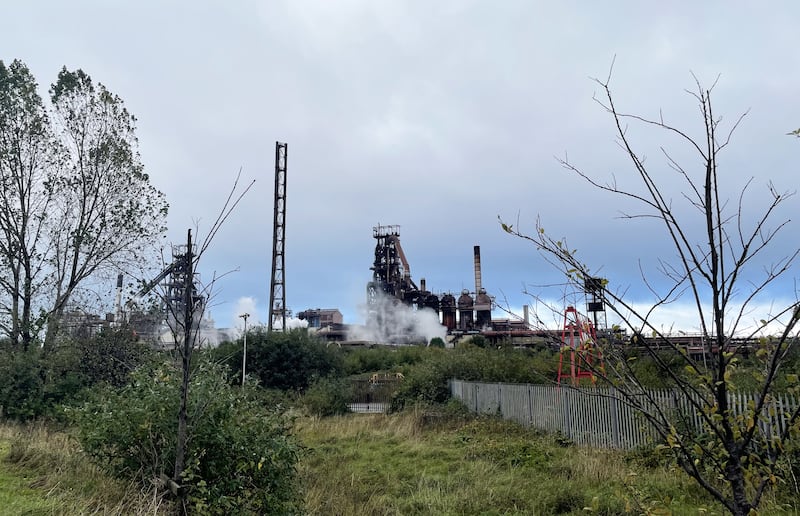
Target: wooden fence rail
597,416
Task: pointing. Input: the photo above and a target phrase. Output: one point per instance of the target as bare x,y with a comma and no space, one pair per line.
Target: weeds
44,472
401,464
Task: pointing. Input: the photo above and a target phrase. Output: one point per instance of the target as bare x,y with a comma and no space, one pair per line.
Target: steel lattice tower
277,295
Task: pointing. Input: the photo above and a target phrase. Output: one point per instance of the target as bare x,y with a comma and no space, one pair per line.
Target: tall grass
50,475
422,463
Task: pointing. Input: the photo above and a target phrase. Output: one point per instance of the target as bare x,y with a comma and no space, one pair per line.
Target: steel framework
579,339
277,295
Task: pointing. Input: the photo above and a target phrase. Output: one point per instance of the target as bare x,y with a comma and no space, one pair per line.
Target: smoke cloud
391,322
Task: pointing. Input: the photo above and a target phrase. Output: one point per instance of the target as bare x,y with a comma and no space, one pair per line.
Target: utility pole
186,356
277,295
244,355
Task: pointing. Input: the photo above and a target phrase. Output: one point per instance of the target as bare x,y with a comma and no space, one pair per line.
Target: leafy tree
74,200
717,245
290,360
108,215
28,160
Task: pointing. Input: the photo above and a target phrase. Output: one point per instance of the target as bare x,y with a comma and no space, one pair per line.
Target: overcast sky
437,116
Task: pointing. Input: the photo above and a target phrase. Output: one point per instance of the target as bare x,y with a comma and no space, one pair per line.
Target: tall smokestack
477,252
118,301
525,316
422,284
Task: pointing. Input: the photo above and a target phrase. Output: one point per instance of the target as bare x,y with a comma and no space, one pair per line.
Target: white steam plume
391,322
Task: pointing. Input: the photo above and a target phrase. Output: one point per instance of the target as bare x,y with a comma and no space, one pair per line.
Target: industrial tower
579,340
277,294
391,273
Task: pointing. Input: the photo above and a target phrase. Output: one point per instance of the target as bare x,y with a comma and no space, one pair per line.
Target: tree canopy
76,203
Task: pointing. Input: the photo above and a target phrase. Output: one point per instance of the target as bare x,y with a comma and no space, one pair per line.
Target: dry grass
401,464
56,478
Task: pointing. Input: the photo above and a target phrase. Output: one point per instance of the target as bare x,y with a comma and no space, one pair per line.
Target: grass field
413,464
419,462
43,473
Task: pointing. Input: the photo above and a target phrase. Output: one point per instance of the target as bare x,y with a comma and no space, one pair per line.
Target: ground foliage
440,460
35,384
44,471
240,455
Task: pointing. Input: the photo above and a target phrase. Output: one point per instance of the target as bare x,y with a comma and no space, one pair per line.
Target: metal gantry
277,296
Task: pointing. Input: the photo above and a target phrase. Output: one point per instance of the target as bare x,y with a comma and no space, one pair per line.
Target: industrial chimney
477,253
483,303
118,301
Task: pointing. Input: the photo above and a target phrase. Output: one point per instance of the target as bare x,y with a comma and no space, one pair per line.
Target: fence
598,416
373,395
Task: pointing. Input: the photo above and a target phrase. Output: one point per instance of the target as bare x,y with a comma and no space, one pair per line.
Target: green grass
402,464
42,472
16,494
415,462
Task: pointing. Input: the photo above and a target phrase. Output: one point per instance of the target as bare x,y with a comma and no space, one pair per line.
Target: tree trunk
735,475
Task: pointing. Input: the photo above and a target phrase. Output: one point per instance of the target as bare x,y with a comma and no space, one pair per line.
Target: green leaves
241,458
75,196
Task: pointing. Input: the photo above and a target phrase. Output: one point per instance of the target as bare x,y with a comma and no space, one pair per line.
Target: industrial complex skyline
435,117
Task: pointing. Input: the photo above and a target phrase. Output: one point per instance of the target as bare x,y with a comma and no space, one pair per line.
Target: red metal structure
579,339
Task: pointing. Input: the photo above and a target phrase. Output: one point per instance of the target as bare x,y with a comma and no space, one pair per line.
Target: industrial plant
398,310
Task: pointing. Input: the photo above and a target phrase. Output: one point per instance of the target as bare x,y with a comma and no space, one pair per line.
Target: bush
21,385
427,381
371,360
33,384
240,456
436,342
327,397
290,360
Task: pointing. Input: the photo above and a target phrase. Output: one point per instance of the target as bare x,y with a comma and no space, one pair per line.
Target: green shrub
33,384
478,341
327,397
427,381
371,360
21,385
436,342
289,360
240,456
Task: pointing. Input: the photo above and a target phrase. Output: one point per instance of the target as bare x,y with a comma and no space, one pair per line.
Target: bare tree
732,454
183,318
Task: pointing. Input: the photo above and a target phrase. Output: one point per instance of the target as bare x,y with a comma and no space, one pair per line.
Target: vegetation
75,200
245,455
722,265
441,461
34,384
44,472
290,360
239,456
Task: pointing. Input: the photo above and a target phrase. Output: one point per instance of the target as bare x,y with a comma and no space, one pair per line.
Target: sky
438,117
